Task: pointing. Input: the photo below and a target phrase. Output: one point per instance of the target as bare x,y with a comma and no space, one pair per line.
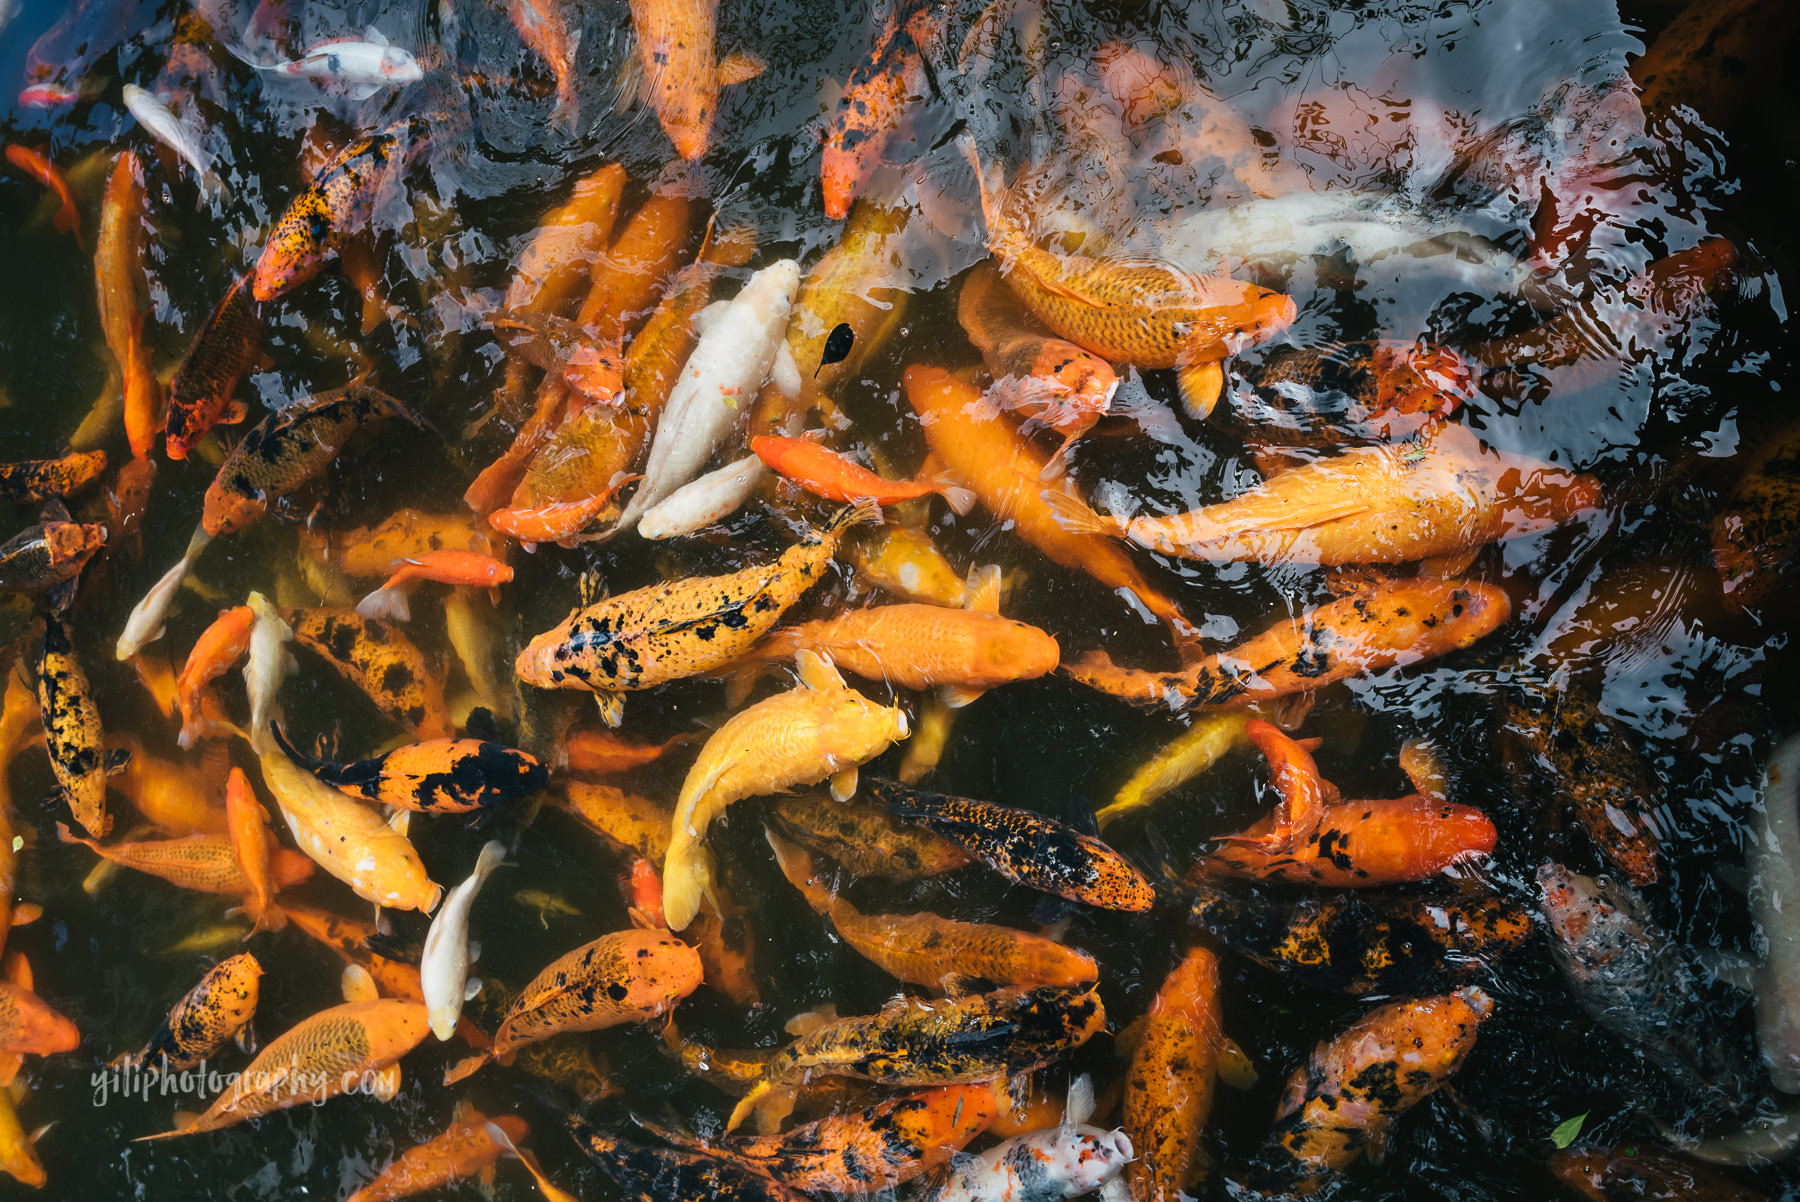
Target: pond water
1503,139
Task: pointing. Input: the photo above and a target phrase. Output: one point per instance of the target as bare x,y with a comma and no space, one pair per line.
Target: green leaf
1567,1130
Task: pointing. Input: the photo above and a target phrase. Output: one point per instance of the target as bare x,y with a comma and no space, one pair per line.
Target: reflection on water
1568,246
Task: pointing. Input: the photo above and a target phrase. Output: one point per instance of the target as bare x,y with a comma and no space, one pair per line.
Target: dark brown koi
224,348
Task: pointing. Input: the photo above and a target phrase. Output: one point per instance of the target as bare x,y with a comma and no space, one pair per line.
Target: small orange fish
544,27
825,473
174,795
118,271
875,99
441,567
224,348
203,863
406,534
676,39
219,647
462,1150
254,846
39,167
30,1027
604,753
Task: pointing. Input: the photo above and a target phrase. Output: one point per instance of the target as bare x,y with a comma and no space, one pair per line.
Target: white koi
1043,1166
717,384
146,623
712,498
1774,863
268,665
364,67
444,965
160,122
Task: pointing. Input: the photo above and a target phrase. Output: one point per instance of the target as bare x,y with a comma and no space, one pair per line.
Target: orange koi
545,29
572,351
676,40
1389,624
38,166
1297,782
1363,844
631,275
1169,1086
118,270
18,1157
349,938
174,795
925,949
985,452
333,1052
254,846
127,496
825,473
866,841
407,534
219,648
224,348
604,753
28,1026
203,863
876,97
441,567
571,238
462,1150
25,481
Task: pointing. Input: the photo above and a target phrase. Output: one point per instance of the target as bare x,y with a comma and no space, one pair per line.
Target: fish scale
626,977
206,1016
72,728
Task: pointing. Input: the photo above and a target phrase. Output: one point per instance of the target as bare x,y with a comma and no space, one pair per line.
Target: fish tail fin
740,68
797,867
748,1105
864,511
387,603
1073,514
960,500
466,1067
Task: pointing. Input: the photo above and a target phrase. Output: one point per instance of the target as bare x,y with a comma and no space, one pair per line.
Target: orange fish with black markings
219,1008
72,728
380,660
876,97
219,647
441,776
864,840
367,551
38,166
925,949
224,348
203,863
1169,1086
1030,849
26,480
50,554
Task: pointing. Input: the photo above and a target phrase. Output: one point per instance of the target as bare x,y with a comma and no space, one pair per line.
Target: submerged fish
219,1008
24,481
224,348
676,39
364,67
444,964
1067,1161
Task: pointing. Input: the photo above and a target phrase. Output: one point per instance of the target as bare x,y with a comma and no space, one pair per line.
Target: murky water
1382,98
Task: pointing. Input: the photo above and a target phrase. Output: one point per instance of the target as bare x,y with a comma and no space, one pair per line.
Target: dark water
1702,693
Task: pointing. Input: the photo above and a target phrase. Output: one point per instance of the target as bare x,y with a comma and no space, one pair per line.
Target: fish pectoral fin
1234,1066
739,68
246,1039
956,696
26,913
1449,567
387,1083
358,985
612,708
116,759
466,1067
471,989
843,783
785,373
1201,385
816,670
981,590
235,412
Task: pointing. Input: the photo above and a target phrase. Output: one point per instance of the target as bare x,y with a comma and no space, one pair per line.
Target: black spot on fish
837,346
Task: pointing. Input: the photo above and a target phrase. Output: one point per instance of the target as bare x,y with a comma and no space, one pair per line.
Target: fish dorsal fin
1080,1106
591,589
981,590
358,985
373,35
739,68
817,671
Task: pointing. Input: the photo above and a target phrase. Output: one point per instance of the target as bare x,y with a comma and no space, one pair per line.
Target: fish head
1015,649
1265,314
73,542
226,511
400,67
1594,919
1086,1158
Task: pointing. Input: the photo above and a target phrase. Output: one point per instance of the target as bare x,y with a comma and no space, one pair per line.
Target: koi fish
1350,1091
825,473
868,1150
72,728
634,271
443,567
590,367
224,348
1067,1161
676,39
903,560
1755,534
1776,825
444,964
876,97
383,663
462,1150
958,1041
800,737
986,453
287,450
219,1008
268,665
1635,981
1442,495
644,1173
924,949
182,137
440,776
867,842
255,850
218,649
118,268
630,976
1036,375
24,481
38,166
621,819
347,839
1643,1172
606,754
205,863
1366,943
1189,754
1686,64
1169,1085
18,1155
1559,749
731,360
544,27
1024,847
28,1026
44,557
144,625
349,938
58,64
1347,394
1151,315
333,1052
1392,623
363,68
172,795
684,628
368,551
705,501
